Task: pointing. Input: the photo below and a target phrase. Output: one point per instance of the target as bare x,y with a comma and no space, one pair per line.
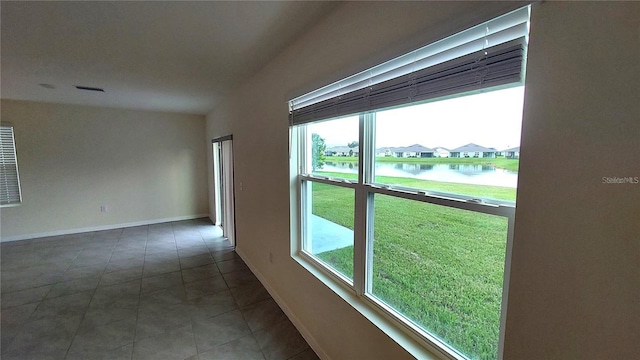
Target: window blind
487,55
9,178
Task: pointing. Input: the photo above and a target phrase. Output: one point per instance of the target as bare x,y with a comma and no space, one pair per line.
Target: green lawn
500,162
441,267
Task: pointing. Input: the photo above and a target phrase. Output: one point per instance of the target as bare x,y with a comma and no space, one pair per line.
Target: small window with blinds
9,178
406,184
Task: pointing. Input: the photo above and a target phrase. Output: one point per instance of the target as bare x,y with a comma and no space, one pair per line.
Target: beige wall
144,166
575,291
575,284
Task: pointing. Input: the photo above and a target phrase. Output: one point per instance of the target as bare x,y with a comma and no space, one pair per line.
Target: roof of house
341,149
514,149
472,148
417,148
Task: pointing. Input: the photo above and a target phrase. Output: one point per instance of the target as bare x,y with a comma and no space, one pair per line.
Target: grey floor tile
176,344
153,269
194,261
95,338
168,296
12,319
22,297
189,241
219,246
116,263
240,278
218,330
150,292
306,355
122,353
228,266
43,339
20,260
127,289
195,251
249,293
162,281
151,323
59,256
29,278
204,287
263,314
222,255
161,237
162,252
73,286
110,313
280,341
199,273
91,260
76,272
244,348
115,302
212,305
121,276
68,305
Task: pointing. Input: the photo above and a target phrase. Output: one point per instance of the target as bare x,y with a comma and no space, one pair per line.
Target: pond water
456,173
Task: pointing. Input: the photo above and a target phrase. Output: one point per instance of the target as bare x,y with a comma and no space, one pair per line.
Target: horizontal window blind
485,56
9,178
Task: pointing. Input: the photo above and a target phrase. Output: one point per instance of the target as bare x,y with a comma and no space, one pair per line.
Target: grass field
441,267
500,162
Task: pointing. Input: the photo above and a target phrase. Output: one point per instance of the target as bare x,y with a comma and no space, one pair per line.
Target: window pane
443,268
466,146
330,226
333,148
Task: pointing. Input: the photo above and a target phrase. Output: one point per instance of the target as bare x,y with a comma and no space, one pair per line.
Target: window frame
358,293
365,189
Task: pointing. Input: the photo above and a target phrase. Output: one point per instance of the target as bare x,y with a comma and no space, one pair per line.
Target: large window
406,185
9,179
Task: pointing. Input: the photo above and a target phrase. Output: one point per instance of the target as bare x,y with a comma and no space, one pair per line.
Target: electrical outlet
103,208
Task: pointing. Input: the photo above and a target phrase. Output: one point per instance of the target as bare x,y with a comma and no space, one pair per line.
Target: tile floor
166,291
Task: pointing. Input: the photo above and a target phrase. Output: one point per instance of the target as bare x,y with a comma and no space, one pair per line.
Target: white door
223,186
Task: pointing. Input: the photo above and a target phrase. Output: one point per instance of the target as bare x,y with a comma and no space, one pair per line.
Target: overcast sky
491,119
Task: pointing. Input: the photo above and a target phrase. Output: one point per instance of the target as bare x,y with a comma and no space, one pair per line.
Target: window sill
10,205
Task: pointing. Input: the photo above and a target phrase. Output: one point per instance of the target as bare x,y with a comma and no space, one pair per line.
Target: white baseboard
296,322
100,228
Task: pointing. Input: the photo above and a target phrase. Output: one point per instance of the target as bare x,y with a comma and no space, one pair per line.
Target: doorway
223,191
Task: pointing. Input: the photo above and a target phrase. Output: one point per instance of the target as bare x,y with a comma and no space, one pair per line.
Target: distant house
441,152
413,151
473,151
513,153
385,151
340,151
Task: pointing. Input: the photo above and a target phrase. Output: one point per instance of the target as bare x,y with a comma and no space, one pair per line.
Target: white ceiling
167,56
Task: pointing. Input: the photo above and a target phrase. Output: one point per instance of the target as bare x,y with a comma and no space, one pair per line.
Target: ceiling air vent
89,88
